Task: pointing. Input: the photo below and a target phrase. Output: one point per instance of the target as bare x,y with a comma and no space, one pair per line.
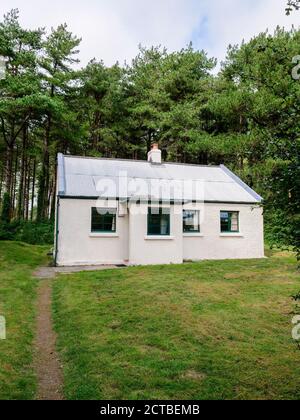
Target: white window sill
193,235
159,238
104,235
231,235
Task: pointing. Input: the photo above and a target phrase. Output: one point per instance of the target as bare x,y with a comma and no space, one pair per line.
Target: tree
165,92
261,71
102,108
19,89
187,83
145,99
292,5
60,50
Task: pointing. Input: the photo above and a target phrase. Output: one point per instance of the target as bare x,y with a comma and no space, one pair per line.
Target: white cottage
113,211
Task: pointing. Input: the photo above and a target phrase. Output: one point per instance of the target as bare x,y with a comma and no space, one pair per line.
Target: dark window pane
229,221
158,222
225,222
103,220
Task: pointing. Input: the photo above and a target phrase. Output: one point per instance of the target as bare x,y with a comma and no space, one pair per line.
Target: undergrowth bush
29,232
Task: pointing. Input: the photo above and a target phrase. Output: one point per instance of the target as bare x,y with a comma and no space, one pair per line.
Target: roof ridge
140,161
150,178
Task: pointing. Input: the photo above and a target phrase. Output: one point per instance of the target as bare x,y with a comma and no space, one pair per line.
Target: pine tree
60,50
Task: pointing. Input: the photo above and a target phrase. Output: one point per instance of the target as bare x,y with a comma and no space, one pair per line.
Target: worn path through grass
46,360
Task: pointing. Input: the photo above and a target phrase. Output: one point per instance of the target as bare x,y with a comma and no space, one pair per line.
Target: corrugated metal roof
94,177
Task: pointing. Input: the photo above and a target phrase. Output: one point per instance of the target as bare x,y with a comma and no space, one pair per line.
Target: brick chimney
154,156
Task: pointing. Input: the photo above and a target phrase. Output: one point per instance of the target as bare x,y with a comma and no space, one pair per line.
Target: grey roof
93,177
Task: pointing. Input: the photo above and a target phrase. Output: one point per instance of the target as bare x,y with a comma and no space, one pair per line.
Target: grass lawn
210,330
17,298
215,330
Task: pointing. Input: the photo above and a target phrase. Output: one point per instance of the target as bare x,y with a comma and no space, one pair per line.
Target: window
229,221
191,221
104,220
158,221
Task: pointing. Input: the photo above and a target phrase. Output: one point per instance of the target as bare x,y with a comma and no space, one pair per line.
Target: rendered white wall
144,250
78,246
249,243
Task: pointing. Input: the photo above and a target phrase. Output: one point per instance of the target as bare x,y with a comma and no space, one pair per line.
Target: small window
229,221
191,221
158,221
104,220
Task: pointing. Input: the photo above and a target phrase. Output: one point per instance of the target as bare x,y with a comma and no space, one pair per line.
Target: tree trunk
14,182
1,181
9,169
20,213
33,189
27,188
9,178
42,210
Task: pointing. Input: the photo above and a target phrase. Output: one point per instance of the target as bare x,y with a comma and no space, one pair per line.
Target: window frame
184,226
230,213
149,215
109,211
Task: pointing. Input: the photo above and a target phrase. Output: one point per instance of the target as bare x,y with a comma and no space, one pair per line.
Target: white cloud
112,29
231,21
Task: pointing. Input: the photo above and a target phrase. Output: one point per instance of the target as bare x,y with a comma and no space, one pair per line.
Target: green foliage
102,109
292,5
164,93
28,232
262,69
20,89
59,122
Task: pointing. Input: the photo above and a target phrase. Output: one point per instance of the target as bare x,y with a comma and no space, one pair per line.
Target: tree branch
292,4
21,127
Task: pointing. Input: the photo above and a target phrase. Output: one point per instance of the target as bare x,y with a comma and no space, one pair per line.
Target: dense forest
246,117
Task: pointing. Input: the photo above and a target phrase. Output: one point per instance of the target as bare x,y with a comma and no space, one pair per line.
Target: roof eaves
242,184
80,197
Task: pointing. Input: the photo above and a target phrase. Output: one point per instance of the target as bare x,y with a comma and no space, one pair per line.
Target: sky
111,30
